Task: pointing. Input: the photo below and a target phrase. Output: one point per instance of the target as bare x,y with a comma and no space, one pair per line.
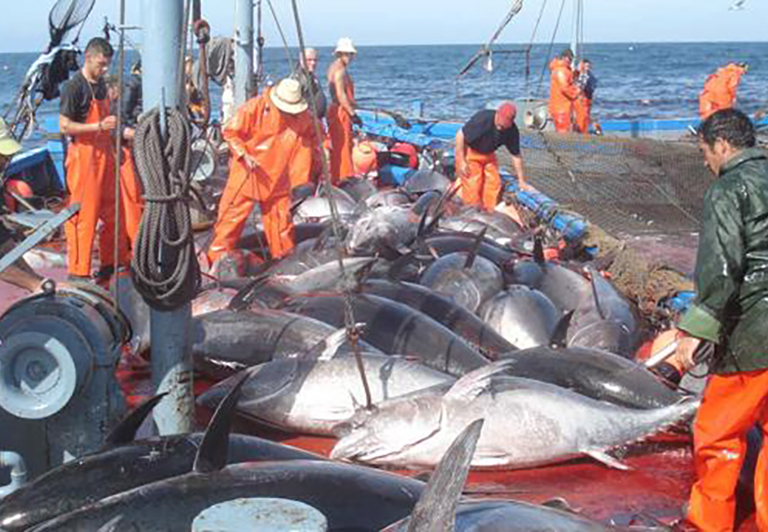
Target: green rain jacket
731,305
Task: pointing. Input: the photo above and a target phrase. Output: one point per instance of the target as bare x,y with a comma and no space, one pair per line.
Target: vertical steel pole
575,36
243,51
162,22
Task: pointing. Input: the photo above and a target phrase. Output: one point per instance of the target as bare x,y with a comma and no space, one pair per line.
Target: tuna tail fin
212,454
560,334
246,295
436,509
125,431
538,250
475,248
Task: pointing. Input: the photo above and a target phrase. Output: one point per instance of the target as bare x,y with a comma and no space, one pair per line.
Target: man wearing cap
476,164
342,111
19,273
720,89
264,137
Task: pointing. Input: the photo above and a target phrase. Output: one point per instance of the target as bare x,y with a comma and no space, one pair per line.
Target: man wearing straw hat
342,111
264,137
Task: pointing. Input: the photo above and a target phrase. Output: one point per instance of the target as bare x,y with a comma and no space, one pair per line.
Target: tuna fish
445,311
312,396
597,374
226,340
522,316
426,180
317,208
527,424
384,227
468,278
395,329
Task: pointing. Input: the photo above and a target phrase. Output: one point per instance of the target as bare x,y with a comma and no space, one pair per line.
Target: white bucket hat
288,98
345,46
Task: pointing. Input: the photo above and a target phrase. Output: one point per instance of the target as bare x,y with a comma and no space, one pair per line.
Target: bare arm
461,154
517,164
340,85
71,128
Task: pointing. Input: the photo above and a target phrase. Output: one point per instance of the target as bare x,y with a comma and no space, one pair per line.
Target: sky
23,24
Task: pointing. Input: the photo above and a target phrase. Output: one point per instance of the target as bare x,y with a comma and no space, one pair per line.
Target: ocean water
636,80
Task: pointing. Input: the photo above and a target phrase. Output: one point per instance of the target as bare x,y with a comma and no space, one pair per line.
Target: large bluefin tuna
524,317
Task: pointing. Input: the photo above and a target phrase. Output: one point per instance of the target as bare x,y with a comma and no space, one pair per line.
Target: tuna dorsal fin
439,209
605,458
247,294
212,454
475,248
559,335
474,383
538,250
125,431
436,509
422,223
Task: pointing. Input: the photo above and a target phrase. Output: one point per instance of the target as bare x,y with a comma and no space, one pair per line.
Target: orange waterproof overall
340,131
482,183
90,168
562,93
130,193
582,107
720,90
731,405
272,138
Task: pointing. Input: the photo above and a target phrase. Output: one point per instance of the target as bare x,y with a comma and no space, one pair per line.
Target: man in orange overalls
720,89
476,164
342,111
85,117
562,92
263,138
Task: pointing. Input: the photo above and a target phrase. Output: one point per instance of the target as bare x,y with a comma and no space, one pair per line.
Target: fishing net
65,16
643,200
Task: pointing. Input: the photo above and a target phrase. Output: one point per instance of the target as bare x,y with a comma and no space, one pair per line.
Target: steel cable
164,267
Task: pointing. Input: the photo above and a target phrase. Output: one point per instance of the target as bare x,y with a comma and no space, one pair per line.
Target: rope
286,48
165,270
551,45
530,46
349,317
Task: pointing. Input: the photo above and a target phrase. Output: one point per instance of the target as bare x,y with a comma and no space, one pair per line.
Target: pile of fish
457,317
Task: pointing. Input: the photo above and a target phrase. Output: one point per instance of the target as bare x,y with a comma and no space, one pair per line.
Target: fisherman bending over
476,164
342,111
263,138
87,119
720,89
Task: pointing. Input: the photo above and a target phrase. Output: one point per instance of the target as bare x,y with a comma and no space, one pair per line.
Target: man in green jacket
731,311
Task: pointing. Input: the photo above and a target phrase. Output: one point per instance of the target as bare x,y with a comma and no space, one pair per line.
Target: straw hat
8,146
344,46
288,98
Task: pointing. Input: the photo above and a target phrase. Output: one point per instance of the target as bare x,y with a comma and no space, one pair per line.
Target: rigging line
119,153
282,35
551,45
260,49
349,317
530,45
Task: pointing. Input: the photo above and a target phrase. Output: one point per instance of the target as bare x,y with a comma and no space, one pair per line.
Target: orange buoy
364,158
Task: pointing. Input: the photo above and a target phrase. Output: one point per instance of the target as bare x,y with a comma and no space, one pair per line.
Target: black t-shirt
76,95
132,101
481,134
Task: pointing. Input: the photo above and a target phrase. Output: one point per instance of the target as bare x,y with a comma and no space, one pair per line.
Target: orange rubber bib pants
482,183
340,131
90,178
130,193
731,405
272,138
562,93
583,109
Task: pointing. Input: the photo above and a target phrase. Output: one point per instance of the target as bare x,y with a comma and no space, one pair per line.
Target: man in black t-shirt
86,117
476,163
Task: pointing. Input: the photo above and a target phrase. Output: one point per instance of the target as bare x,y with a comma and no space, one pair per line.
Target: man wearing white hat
19,273
264,137
342,111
